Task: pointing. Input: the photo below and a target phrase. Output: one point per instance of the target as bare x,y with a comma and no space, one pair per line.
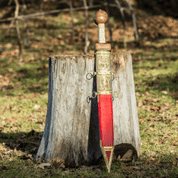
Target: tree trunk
72,128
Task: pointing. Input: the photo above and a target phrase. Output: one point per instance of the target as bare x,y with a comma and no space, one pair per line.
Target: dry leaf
164,92
43,165
174,144
36,107
127,156
140,103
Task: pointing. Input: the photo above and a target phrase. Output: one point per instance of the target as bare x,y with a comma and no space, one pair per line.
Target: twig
123,21
24,5
173,3
134,21
26,40
91,3
18,30
42,5
86,27
10,26
72,20
46,13
109,24
21,17
9,3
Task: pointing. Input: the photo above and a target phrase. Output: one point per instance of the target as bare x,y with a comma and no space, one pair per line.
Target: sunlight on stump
71,131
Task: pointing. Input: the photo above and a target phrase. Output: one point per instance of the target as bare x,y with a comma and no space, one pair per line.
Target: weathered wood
126,126
72,128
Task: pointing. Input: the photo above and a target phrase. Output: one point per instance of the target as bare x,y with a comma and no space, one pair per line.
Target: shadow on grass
29,143
165,82
25,142
32,77
160,82
37,76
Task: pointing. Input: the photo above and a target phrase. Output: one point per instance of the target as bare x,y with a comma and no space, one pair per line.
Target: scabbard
105,105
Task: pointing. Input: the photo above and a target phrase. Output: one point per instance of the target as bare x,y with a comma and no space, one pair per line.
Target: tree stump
72,127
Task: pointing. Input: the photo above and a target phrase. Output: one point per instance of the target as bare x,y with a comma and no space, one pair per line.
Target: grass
24,100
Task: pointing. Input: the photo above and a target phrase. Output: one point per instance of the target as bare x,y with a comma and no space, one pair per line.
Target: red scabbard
106,120
105,109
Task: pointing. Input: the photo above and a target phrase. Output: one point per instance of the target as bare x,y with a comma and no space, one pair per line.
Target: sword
104,89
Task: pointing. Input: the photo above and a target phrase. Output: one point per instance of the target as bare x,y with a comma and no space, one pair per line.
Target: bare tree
9,3
26,40
18,30
91,3
72,20
86,27
123,21
109,24
134,20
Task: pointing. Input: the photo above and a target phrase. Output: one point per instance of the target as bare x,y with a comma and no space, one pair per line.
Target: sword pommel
100,17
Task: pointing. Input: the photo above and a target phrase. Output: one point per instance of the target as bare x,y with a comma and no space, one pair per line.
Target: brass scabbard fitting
103,72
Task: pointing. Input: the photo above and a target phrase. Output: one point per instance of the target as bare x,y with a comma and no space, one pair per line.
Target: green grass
23,106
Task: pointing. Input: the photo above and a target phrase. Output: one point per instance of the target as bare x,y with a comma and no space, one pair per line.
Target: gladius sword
104,89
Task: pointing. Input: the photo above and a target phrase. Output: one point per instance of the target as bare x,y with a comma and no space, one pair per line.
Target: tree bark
72,128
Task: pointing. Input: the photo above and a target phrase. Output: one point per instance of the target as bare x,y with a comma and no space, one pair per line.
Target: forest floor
24,94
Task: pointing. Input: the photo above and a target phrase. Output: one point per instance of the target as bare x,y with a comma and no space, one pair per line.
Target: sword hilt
100,18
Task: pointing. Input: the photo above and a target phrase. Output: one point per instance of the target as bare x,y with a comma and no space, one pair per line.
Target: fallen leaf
8,45
10,70
164,92
147,94
140,103
36,106
137,167
141,119
43,165
150,119
137,93
14,129
127,156
58,163
166,104
174,144
40,121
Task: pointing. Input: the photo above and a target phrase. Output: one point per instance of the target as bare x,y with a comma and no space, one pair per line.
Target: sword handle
100,18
